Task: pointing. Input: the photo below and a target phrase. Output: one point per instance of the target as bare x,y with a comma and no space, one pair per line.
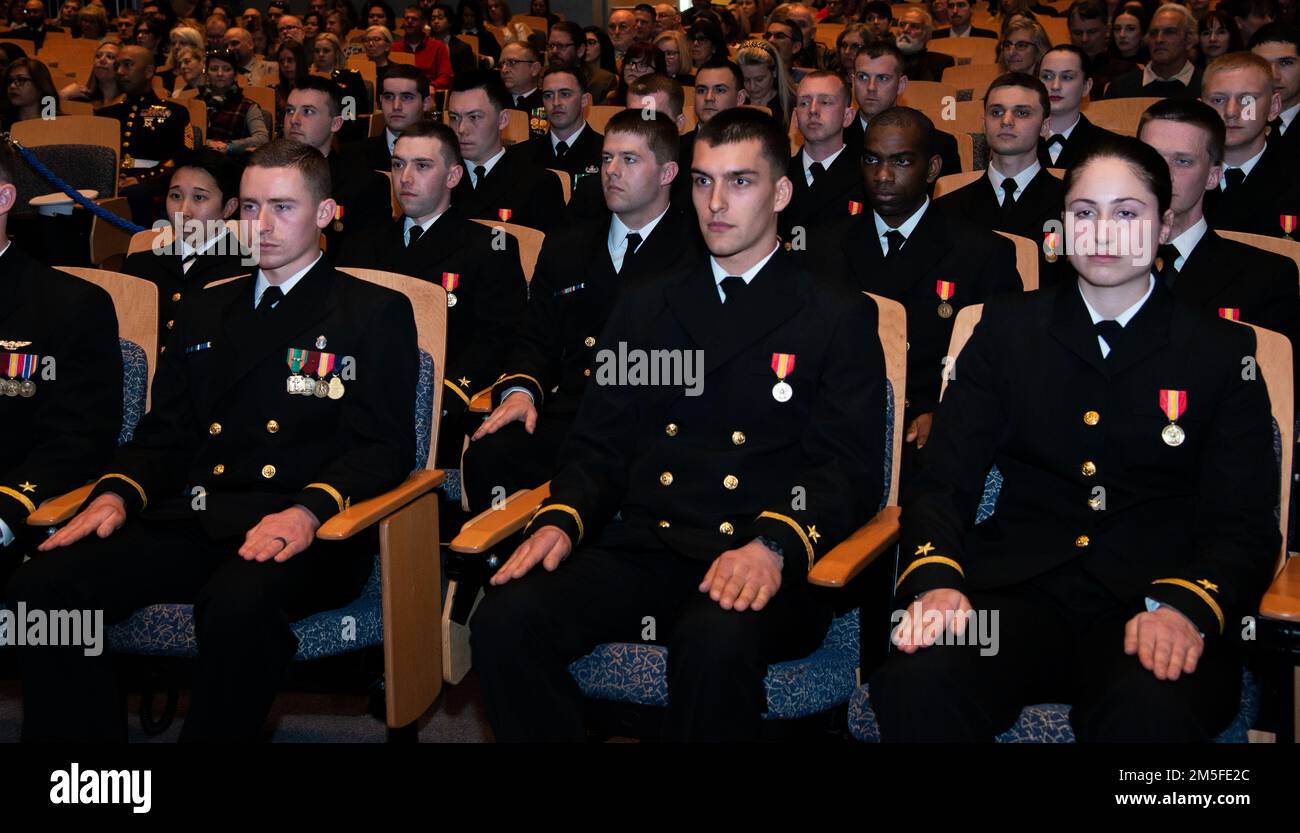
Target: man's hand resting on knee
517,407
549,544
1165,641
745,578
280,536
104,516
914,632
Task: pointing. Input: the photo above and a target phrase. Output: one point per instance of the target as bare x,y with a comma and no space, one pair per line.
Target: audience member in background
959,25
599,54
542,9
785,36
328,61
34,26
202,194
404,99
380,14
645,22
521,72
1024,42
839,11
378,43
150,34
291,28
1252,14
1129,31
851,38
101,89
878,17
1201,266
498,13
749,18
313,115
719,85
813,55
236,125
878,81
919,63
826,181
677,55
568,45
92,22
767,83
640,60
469,21
214,30
432,55
1086,21
294,65
312,25
707,42
256,71
1064,72
1219,35
1170,74
1258,184
30,93
668,18
499,184
570,144
1279,44
440,29
68,17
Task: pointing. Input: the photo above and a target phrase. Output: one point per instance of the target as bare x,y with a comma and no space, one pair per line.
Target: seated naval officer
1135,525
675,501
255,438
60,383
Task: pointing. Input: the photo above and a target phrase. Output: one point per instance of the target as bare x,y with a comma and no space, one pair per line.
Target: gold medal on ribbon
945,289
1173,403
783,365
338,218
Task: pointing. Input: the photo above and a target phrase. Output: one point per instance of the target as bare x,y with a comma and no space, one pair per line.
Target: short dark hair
879,49
286,153
405,72
1087,10
655,83
1193,112
1073,50
1276,32
224,56
8,163
898,116
879,7
783,19
1259,8
1024,81
727,64
413,7
449,147
659,132
573,30
489,82
528,48
644,7
217,165
333,92
576,70
1149,166
742,124
835,76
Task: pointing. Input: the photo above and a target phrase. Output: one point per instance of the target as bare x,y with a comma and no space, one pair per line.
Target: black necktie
1234,177
479,173
1274,129
272,296
1057,139
1111,331
633,241
561,148
1008,194
896,241
415,232
816,170
733,286
1166,256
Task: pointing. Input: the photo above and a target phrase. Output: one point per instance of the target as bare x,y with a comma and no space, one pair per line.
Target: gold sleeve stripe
929,559
328,489
521,376
807,545
458,391
1198,590
144,499
18,496
560,507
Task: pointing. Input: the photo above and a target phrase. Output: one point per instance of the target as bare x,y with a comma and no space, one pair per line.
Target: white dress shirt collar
825,163
262,283
617,238
1182,76
1022,180
882,228
488,165
555,140
747,276
1187,241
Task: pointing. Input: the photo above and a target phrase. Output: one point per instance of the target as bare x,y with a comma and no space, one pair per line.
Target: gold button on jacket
268,471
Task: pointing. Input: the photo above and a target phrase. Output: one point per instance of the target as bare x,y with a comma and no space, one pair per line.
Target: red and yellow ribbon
1173,403
945,289
783,364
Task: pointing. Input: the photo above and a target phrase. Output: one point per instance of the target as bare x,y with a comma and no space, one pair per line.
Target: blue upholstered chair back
135,387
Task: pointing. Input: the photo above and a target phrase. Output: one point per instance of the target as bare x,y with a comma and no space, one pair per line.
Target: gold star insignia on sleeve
925,549
464,383
1209,585
813,534
27,487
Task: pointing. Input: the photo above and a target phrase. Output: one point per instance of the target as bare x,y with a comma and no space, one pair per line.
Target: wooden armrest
839,566
59,510
481,402
1282,601
361,515
490,527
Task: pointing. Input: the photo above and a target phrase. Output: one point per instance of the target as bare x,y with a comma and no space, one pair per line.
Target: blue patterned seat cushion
637,672
135,386
1050,722
167,630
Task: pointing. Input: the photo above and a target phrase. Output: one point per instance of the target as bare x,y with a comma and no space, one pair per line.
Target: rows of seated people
1138,514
